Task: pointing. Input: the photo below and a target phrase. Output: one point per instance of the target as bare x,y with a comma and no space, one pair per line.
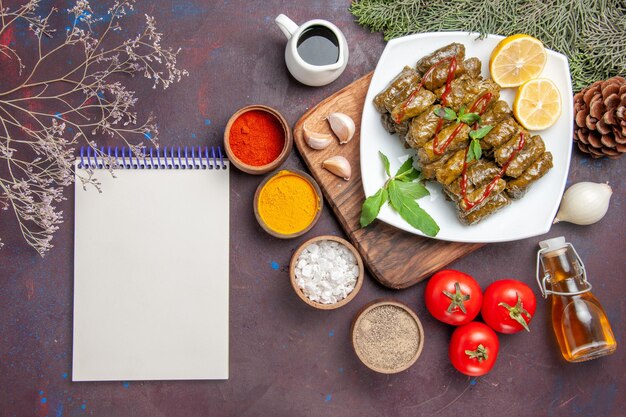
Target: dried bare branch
44,118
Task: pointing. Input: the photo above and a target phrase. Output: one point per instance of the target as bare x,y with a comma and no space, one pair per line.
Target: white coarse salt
326,271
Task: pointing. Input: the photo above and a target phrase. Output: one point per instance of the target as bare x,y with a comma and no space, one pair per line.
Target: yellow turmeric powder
288,203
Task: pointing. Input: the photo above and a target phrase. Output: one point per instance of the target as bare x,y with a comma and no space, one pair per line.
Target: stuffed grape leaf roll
511,147
414,105
422,128
453,167
517,187
439,75
475,196
397,90
459,133
429,170
494,204
477,175
448,51
533,149
500,133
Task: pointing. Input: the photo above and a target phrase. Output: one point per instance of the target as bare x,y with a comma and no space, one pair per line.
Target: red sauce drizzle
451,70
451,73
482,101
471,204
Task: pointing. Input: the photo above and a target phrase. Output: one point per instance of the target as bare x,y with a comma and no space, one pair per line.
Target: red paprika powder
257,138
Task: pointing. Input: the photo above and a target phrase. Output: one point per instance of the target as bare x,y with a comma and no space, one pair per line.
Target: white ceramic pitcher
306,73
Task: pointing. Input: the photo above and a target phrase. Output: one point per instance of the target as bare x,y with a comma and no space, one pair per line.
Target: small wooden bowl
382,302
263,169
317,190
303,297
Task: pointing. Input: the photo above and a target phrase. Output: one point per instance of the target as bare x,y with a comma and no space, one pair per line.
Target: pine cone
600,118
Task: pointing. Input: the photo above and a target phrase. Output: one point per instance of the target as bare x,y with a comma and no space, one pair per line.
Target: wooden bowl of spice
387,336
257,139
326,272
287,204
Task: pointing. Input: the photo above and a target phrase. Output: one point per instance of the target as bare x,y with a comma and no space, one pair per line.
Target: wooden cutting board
397,259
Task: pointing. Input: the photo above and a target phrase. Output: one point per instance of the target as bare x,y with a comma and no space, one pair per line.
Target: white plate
530,216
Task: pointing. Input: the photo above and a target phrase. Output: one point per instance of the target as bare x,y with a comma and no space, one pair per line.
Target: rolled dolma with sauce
453,168
439,75
476,195
462,90
478,174
429,170
466,91
494,204
509,148
501,133
496,113
427,154
397,90
422,128
453,190
448,51
413,106
517,188
482,172
533,149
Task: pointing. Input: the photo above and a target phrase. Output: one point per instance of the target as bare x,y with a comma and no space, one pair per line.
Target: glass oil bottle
579,321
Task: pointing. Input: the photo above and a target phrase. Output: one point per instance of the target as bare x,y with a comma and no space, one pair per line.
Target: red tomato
474,349
508,306
453,297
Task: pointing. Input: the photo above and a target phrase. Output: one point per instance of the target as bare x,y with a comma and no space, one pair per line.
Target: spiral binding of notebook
154,158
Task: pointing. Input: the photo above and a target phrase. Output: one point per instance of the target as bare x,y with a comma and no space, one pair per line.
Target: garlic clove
339,166
584,203
316,140
342,125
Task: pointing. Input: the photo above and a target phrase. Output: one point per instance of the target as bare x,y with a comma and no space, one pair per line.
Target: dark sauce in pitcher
318,45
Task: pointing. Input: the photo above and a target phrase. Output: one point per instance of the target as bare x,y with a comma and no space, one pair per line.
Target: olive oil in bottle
579,321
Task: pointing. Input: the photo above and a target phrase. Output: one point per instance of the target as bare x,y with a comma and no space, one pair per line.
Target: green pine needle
591,33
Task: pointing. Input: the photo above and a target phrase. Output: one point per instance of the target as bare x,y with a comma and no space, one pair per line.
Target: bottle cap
553,244
550,245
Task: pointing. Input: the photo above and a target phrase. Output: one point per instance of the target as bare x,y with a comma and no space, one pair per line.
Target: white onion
584,203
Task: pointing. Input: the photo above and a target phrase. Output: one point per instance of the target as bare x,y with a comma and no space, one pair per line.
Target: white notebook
151,267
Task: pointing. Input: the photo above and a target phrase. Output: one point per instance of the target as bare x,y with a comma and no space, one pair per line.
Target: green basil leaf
446,113
412,190
411,212
474,151
409,176
385,162
469,118
470,153
371,207
480,133
478,151
406,167
462,110
395,198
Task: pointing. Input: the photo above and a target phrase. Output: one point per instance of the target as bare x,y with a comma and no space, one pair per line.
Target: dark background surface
287,359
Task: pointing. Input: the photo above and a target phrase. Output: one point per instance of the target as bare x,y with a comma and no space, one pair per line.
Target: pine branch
591,33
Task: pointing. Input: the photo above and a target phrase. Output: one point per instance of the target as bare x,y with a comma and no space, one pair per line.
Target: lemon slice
537,105
517,59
